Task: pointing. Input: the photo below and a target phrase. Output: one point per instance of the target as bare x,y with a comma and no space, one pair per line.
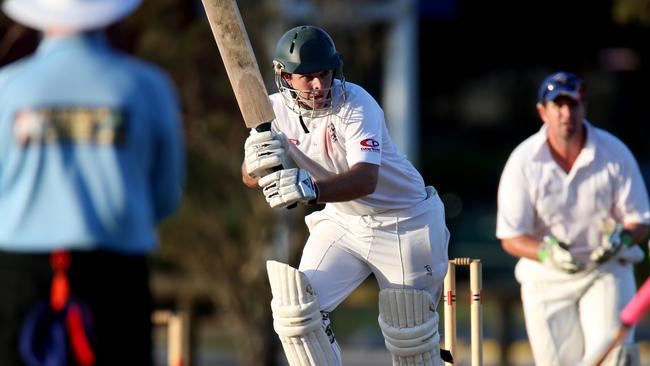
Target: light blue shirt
91,151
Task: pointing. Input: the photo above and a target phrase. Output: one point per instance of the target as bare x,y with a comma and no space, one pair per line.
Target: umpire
91,159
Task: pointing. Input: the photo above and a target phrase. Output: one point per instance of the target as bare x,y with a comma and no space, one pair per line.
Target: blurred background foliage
479,68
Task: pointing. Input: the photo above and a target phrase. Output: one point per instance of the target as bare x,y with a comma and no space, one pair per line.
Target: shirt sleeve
168,173
515,209
363,135
631,196
6,128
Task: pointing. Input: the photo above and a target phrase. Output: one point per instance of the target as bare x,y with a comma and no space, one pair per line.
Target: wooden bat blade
238,58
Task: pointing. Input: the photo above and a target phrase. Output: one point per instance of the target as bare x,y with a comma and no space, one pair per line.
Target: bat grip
263,127
634,310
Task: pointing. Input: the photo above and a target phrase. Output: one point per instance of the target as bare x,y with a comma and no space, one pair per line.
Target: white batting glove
288,186
554,253
263,151
613,240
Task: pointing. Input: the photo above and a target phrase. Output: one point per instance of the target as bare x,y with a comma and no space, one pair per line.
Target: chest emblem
332,133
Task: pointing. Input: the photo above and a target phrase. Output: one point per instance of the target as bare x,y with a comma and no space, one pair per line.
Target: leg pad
297,318
409,323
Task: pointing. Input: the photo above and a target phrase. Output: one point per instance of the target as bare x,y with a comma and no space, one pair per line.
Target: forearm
523,246
359,181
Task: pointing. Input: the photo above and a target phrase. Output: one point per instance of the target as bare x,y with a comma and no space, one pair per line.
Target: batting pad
409,323
296,317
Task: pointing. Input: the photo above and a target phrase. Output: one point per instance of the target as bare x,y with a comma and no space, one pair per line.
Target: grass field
518,355
356,328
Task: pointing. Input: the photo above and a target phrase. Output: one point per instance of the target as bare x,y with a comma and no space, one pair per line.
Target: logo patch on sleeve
370,145
77,125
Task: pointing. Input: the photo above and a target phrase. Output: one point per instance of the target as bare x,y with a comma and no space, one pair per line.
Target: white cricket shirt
536,197
356,133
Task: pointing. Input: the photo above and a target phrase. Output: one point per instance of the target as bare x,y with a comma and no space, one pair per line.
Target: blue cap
561,83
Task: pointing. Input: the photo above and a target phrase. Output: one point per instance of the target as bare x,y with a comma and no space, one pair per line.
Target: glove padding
556,254
288,186
612,241
263,151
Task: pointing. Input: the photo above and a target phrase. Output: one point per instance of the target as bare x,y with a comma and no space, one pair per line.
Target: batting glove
288,186
263,151
555,253
612,242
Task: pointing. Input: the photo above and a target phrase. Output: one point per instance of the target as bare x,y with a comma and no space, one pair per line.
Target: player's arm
359,181
288,186
631,205
525,246
549,251
616,237
168,169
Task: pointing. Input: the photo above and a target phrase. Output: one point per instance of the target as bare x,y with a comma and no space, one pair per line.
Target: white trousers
568,318
403,249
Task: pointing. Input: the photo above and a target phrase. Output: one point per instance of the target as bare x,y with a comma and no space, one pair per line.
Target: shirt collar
77,40
586,154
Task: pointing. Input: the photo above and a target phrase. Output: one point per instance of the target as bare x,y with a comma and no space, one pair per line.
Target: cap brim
82,15
552,95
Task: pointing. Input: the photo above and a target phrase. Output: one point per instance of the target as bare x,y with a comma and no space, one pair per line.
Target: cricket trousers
401,248
568,315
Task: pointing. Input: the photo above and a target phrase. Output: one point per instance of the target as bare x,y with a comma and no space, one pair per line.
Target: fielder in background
572,205
379,217
91,159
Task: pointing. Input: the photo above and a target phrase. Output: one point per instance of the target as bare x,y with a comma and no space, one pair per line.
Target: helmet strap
302,124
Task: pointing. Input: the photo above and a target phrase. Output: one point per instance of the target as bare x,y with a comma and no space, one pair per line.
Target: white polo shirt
356,133
538,198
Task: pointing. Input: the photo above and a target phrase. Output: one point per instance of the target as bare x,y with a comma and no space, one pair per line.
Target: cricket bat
241,66
629,316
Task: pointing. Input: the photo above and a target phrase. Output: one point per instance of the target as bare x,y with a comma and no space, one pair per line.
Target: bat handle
263,127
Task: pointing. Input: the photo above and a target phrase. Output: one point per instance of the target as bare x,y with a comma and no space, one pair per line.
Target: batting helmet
306,49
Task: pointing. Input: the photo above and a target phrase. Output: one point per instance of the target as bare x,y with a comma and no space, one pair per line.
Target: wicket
476,311
176,324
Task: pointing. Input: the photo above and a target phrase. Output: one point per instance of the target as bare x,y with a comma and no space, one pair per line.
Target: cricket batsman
379,216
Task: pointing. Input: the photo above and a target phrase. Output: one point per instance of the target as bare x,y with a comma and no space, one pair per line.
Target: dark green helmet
306,49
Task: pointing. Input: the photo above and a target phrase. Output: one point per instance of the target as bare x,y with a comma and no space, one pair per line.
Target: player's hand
554,253
612,241
263,151
288,186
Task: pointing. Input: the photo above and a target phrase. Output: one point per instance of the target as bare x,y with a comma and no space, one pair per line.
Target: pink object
634,310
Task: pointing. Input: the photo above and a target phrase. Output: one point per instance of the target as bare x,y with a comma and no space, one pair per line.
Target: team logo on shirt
332,132
428,269
100,125
370,145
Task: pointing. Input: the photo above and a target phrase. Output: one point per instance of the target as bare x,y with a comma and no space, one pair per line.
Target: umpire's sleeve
168,173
